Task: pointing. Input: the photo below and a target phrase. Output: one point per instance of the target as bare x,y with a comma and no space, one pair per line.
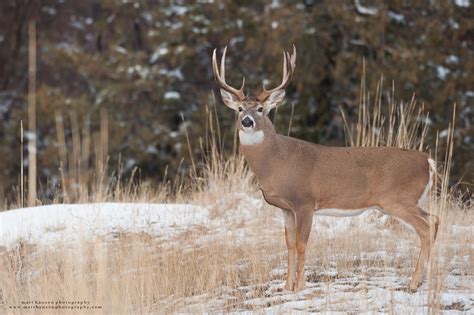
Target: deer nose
247,122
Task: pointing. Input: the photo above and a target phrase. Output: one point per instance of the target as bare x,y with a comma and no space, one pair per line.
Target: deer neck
259,148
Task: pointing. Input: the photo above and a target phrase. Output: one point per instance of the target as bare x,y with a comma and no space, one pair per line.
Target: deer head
252,112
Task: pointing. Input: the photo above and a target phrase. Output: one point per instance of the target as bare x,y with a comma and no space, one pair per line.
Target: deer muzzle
247,122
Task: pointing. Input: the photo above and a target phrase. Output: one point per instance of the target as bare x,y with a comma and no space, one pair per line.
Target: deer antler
220,77
289,63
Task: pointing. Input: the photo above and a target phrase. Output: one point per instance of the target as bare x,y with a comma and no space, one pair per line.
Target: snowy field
368,274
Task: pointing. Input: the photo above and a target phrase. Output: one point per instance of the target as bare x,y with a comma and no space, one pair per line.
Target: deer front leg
304,221
290,236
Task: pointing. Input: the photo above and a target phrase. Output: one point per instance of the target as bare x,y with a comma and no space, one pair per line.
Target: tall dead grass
405,125
140,272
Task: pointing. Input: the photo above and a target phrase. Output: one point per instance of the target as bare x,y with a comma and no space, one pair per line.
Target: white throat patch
251,137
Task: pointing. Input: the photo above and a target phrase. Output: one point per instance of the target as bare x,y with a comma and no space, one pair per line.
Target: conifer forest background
142,69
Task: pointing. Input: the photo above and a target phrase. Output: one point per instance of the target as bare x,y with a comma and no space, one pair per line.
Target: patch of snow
176,10
459,229
453,23
199,30
76,23
179,49
110,18
142,72
469,94
275,4
365,10
442,72
172,95
49,10
151,149
235,40
173,25
300,6
72,222
121,50
454,298
240,23
397,17
6,101
424,120
467,140
147,17
201,19
462,3
333,226
452,59
175,73
52,223
159,51
331,292
130,164
29,135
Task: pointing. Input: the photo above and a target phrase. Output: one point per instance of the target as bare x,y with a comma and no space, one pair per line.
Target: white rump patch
251,137
342,212
423,200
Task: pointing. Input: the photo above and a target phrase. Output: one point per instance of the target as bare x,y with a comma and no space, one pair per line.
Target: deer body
336,178
303,178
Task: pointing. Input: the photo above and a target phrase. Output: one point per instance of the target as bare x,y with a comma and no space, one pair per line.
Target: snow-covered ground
380,293
73,222
376,289
70,222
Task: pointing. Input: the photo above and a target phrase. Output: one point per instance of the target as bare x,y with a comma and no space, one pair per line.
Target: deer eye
240,109
260,109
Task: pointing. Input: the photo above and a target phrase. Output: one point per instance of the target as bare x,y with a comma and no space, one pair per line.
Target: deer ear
230,100
274,100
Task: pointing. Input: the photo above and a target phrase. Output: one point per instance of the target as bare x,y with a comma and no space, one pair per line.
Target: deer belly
342,212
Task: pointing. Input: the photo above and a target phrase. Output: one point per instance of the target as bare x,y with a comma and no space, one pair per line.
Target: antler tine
223,63
289,63
285,71
220,77
214,62
215,70
293,57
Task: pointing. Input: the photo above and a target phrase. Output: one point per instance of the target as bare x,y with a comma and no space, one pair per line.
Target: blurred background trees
139,65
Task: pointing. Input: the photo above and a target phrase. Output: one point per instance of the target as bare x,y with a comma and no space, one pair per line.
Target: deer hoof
414,285
300,287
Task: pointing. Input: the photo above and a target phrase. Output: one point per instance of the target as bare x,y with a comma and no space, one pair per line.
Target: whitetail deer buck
303,178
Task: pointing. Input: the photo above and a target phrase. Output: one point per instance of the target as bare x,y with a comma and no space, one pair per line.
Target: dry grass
204,270
138,272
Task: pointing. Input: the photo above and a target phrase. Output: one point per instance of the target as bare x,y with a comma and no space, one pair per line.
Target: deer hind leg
429,223
304,220
290,236
426,227
433,222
